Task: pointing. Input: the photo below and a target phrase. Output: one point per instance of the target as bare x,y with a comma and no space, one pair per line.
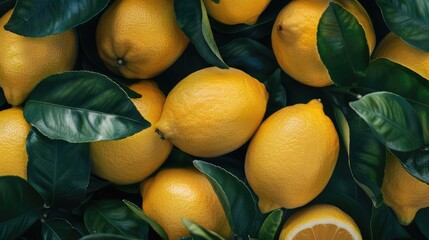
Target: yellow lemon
25,61
132,159
176,193
292,156
213,111
320,222
139,39
294,38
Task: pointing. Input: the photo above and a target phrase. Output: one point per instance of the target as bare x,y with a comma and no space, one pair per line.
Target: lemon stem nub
120,62
160,134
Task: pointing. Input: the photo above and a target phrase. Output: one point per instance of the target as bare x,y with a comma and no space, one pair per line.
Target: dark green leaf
139,213
20,206
193,20
114,217
392,119
59,229
103,236
422,221
416,163
81,106
271,225
341,42
385,226
38,18
57,169
236,199
199,231
2,98
277,93
408,19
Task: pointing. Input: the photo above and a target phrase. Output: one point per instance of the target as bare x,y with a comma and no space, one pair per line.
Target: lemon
236,11
132,159
13,136
25,61
176,193
292,156
213,111
139,39
402,192
320,222
294,38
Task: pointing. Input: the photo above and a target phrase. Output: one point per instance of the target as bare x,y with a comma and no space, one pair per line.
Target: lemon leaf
2,98
58,229
45,17
408,19
416,163
422,221
271,225
197,230
103,236
385,226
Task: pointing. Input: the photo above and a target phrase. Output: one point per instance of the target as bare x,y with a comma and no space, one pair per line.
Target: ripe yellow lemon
176,193
237,11
402,192
132,159
139,39
13,136
319,222
25,61
213,111
294,38
292,156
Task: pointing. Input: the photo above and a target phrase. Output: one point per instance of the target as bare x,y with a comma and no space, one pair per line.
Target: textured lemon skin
132,159
402,192
294,38
176,193
25,61
292,156
213,111
14,130
139,39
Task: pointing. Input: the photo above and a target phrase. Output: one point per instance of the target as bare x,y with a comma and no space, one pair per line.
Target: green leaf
20,206
385,226
59,229
114,217
342,45
392,119
81,106
38,18
277,93
271,225
103,236
236,198
154,225
416,163
57,169
408,19
2,98
197,230
193,20
422,221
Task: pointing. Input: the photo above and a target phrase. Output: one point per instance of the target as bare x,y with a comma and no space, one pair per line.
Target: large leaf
114,217
38,18
20,206
408,19
342,45
277,94
271,225
385,226
197,230
59,170
193,20
392,119
416,163
422,221
103,236
59,229
235,197
81,106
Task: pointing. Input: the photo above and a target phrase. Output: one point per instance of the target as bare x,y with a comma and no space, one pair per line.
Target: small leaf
58,170
193,20
82,106
416,163
342,45
38,18
392,119
197,230
408,19
59,229
271,225
277,93
20,206
103,236
236,199
385,226
422,221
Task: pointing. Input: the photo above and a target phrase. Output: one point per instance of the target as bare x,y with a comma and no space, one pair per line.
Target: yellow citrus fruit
25,61
237,11
213,111
139,39
13,136
132,159
402,192
292,156
294,38
176,193
320,222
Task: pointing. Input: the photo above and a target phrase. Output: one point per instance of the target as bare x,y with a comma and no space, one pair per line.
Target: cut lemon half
320,221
